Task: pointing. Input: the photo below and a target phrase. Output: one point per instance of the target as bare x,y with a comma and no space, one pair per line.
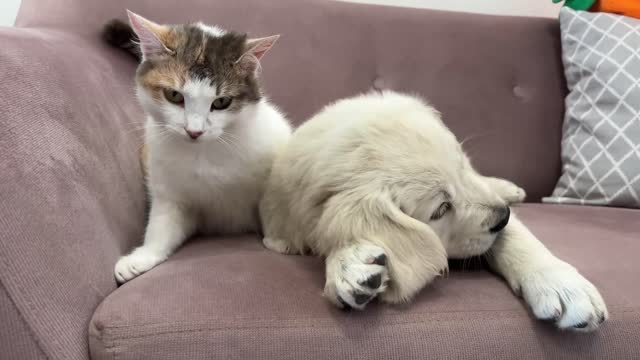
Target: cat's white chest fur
219,181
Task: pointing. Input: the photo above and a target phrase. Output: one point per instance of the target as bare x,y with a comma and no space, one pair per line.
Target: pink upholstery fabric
71,195
231,298
72,199
15,336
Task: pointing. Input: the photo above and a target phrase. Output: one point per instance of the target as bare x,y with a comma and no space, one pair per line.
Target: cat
210,133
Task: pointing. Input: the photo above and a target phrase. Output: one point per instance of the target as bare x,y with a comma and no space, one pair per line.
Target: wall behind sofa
9,8
8,11
545,8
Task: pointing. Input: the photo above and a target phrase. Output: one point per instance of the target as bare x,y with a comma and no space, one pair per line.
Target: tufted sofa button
379,84
519,92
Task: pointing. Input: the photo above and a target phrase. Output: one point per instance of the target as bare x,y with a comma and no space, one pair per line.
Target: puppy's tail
120,34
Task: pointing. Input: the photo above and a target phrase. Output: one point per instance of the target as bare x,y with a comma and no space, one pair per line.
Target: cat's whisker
230,135
141,131
232,145
235,144
224,144
158,137
129,131
231,141
155,127
139,127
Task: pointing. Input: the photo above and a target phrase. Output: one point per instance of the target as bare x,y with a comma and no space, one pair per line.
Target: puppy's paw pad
564,296
135,264
373,282
362,275
378,260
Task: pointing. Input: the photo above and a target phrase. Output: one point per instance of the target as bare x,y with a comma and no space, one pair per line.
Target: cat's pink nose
193,134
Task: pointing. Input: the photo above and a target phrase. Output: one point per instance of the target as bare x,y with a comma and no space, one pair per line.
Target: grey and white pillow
601,130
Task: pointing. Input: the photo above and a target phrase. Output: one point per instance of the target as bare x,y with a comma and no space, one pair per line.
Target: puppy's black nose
503,214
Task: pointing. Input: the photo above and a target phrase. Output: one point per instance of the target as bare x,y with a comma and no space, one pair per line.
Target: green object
577,4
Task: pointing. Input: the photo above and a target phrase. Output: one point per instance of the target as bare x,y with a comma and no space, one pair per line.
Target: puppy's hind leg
274,214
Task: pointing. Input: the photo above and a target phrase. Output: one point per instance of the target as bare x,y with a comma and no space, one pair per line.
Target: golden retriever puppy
379,186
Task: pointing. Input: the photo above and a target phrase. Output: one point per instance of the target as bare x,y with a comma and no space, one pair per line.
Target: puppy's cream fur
379,186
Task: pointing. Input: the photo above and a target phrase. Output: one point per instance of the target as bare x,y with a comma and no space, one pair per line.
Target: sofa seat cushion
229,298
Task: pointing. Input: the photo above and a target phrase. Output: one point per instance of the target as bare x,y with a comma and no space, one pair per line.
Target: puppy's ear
415,253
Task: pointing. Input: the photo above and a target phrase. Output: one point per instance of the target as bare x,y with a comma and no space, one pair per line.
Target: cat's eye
173,96
441,210
221,103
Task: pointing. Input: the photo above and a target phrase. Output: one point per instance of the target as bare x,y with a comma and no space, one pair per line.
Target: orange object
620,7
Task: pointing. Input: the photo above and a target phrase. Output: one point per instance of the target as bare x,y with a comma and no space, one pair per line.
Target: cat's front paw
560,294
138,262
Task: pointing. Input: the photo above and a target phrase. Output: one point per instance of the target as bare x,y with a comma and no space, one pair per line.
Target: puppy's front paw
515,195
359,273
278,245
508,191
138,262
561,294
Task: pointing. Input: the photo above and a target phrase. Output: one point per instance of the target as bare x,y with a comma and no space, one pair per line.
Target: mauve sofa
72,197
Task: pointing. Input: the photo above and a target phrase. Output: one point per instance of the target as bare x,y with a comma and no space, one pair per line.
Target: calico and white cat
210,134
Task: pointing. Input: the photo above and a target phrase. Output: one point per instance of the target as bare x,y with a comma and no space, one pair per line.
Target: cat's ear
259,47
150,36
256,48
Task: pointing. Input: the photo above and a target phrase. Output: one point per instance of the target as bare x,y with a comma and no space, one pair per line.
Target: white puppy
379,186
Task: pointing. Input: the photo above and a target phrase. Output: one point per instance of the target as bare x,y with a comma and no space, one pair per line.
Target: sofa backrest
498,81
71,191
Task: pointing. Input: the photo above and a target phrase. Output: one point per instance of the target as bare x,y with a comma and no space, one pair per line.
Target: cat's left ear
150,35
256,48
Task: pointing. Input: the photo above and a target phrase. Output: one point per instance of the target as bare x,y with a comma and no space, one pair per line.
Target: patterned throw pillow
601,131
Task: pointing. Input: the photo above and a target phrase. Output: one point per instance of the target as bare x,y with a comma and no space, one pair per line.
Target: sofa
72,198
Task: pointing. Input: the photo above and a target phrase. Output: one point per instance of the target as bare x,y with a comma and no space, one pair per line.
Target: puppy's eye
221,103
441,211
173,96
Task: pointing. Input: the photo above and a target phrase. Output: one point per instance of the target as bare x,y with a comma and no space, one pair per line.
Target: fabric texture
16,339
232,299
601,133
72,199
71,195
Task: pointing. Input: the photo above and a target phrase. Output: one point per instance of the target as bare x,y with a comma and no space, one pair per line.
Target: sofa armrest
72,197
